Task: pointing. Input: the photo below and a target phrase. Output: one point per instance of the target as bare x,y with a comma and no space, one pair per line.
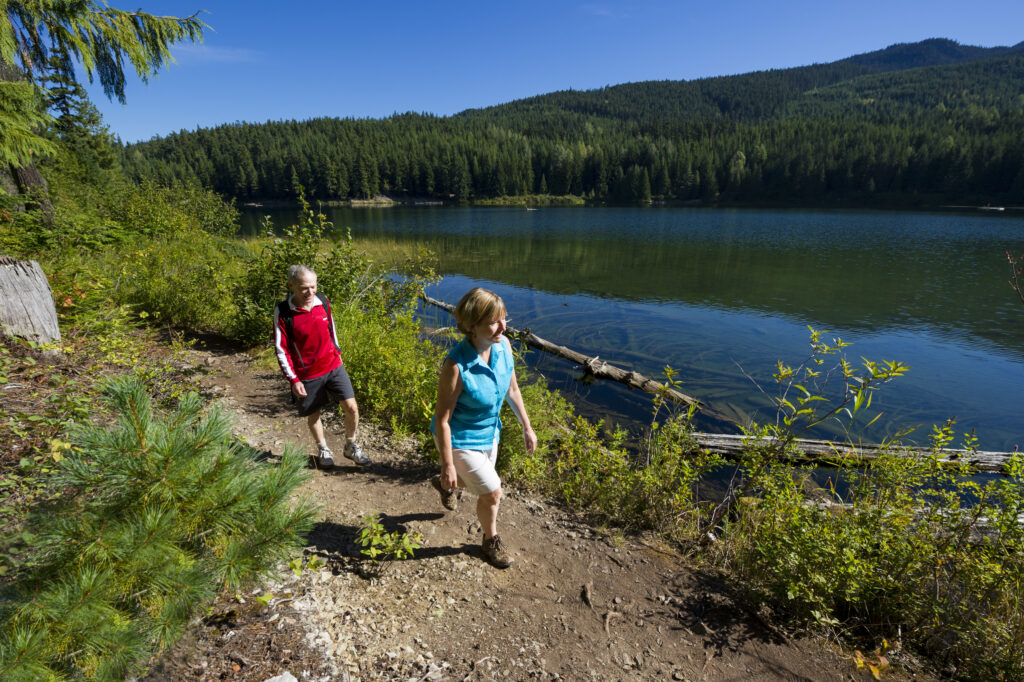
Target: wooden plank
820,451
26,302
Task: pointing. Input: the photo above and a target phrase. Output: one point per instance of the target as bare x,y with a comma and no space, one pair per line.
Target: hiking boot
355,453
449,498
324,457
495,552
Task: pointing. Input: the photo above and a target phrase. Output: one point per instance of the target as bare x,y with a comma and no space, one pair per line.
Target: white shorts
476,469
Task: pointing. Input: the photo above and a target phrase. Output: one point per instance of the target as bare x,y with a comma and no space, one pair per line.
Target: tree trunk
9,186
26,180
26,302
36,191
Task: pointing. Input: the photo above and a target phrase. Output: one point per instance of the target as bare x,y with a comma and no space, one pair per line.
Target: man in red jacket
307,350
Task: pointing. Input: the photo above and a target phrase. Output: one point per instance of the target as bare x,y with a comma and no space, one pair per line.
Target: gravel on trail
579,603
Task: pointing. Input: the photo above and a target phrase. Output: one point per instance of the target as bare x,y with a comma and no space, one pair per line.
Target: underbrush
904,549
907,550
903,554
155,515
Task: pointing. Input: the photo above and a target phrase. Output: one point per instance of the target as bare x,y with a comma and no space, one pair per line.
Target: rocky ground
578,604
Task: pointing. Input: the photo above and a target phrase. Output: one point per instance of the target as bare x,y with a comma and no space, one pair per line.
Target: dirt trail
578,604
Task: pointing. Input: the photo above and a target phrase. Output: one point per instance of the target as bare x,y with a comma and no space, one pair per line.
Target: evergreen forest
917,124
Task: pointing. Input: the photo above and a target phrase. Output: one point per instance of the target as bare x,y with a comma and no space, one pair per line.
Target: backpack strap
330,319
284,313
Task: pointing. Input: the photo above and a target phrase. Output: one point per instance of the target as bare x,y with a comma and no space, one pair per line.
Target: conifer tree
85,31
158,514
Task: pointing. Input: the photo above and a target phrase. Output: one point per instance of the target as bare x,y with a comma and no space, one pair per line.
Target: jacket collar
316,302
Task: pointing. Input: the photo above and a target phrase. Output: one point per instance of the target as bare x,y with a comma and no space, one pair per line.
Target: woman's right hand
449,478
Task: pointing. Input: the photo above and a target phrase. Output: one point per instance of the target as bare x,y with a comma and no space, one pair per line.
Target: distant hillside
748,97
913,124
931,52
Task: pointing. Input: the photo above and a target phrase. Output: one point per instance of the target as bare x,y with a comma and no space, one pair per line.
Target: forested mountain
918,123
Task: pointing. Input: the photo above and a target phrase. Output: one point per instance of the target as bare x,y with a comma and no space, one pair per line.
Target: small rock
283,677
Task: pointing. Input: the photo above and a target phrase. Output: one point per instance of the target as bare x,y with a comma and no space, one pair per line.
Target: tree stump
26,302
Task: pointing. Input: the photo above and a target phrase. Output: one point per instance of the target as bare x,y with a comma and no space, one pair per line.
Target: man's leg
316,427
352,449
324,456
351,415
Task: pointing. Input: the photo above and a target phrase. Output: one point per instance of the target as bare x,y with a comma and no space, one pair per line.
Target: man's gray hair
297,272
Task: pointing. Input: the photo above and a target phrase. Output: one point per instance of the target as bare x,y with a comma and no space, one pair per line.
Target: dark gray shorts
335,383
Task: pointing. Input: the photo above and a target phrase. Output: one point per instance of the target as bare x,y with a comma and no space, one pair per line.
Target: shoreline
536,201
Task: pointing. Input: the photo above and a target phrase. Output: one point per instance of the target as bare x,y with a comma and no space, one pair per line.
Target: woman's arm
449,386
515,401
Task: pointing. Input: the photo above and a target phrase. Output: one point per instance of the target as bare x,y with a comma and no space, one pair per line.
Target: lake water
722,294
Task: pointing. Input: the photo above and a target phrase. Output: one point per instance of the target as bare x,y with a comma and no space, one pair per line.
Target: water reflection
720,294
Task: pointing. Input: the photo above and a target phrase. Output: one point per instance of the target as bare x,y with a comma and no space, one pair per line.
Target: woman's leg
487,512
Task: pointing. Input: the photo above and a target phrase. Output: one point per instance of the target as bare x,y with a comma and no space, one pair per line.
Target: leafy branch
800,409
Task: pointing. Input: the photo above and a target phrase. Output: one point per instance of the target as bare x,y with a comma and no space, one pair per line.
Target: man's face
303,290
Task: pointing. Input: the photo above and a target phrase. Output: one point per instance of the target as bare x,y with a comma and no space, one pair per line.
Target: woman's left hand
530,438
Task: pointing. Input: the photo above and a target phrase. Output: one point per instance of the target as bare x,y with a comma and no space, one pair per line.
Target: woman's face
303,290
490,331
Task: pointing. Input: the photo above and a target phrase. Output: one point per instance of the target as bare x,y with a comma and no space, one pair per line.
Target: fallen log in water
823,451
597,367
819,452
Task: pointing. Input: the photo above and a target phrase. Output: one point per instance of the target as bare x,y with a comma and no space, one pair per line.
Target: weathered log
820,452
597,367
823,451
26,303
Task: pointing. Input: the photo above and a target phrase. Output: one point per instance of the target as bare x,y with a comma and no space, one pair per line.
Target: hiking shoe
449,498
355,453
495,552
324,457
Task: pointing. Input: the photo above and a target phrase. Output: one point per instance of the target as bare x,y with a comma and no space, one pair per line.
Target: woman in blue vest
476,377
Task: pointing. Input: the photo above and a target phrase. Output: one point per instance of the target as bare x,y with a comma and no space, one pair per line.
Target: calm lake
721,295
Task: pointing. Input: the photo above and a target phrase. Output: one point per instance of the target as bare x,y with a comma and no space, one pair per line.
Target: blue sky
277,60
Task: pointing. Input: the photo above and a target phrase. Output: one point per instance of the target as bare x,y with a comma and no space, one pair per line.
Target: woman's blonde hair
478,305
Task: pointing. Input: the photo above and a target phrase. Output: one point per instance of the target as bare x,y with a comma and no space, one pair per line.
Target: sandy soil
578,604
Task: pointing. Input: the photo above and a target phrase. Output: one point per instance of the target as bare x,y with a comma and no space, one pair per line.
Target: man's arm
284,358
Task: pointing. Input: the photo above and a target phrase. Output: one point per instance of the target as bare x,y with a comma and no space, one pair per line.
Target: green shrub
183,281
382,547
347,277
914,549
157,515
393,371
180,208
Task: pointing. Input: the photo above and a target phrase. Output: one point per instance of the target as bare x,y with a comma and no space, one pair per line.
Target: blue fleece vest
475,423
